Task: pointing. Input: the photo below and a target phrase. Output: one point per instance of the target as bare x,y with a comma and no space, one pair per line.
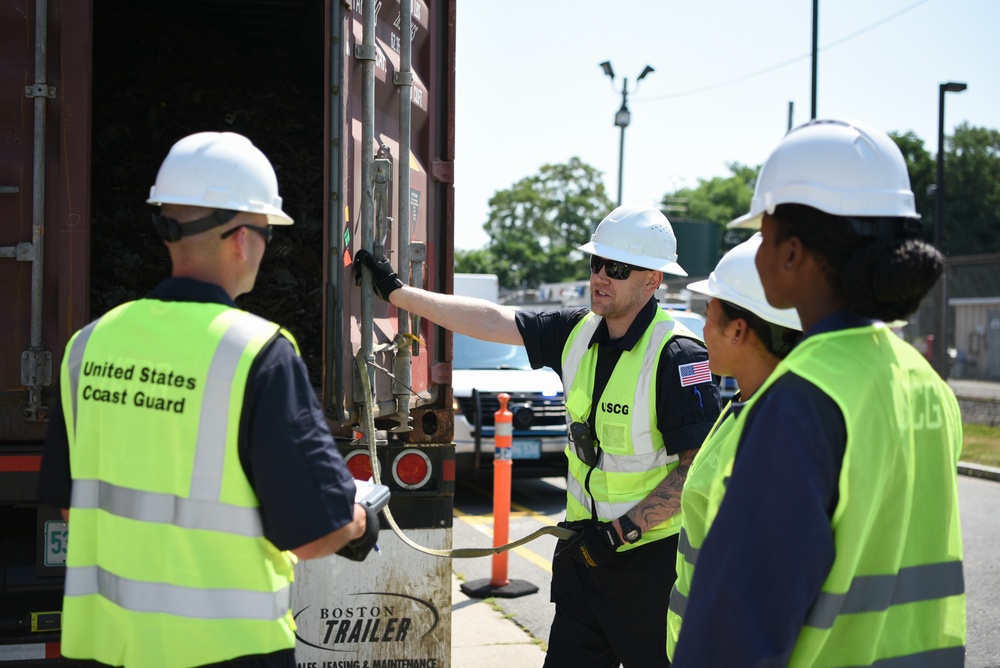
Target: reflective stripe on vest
697,514
678,606
214,420
875,593
139,596
167,508
604,508
645,456
574,356
685,549
74,361
217,573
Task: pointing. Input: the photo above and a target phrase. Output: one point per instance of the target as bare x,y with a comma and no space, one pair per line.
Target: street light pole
815,55
623,117
940,345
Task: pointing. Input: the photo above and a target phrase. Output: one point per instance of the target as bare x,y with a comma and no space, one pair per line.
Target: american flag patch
694,373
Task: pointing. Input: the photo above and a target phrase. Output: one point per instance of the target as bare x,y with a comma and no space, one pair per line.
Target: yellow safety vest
633,458
895,592
697,513
169,565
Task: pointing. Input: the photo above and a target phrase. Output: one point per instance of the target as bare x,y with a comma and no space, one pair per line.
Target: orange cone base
484,589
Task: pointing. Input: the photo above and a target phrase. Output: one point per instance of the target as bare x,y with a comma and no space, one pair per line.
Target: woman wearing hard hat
836,538
746,338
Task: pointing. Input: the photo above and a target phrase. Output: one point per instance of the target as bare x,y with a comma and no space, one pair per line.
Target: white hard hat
735,280
642,237
219,170
844,169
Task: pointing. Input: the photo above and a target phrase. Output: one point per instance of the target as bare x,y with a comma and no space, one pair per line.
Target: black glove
359,548
383,276
595,545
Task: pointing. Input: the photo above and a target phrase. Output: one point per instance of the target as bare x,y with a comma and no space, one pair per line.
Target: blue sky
531,91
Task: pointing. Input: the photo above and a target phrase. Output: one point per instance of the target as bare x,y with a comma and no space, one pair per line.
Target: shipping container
92,96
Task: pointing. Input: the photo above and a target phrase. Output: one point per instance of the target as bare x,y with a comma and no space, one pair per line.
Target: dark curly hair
882,277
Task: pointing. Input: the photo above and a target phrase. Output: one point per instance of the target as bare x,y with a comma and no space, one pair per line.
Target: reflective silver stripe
167,508
945,657
74,364
684,547
636,463
213,423
574,356
644,456
605,510
139,596
642,422
678,602
876,593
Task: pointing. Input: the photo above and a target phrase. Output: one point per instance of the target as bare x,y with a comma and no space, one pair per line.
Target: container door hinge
36,373
40,90
23,252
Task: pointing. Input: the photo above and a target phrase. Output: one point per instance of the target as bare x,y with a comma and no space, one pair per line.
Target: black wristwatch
630,532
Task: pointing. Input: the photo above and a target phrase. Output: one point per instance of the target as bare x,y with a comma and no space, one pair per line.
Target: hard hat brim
769,314
646,262
748,221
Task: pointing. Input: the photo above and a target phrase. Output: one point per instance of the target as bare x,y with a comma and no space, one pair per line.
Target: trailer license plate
526,449
56,536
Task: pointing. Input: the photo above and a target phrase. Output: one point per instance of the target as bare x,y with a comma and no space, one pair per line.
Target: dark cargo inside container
162,69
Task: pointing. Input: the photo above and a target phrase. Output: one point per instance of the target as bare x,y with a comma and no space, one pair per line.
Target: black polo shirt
684,414
285,446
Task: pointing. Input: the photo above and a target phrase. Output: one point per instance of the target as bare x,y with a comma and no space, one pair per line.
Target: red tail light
359,464
411,469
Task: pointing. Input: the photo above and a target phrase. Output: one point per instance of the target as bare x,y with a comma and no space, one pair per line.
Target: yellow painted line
521,511
484,525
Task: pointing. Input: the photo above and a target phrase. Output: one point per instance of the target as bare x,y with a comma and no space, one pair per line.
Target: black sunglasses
266,232
612,268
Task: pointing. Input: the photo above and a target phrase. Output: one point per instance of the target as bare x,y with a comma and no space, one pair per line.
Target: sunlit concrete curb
979,471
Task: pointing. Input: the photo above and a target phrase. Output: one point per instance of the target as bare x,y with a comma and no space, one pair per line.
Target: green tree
971,208
921,167
719,199
536,225
478,261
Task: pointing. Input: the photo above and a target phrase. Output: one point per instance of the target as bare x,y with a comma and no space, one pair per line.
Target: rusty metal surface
67,184
432,198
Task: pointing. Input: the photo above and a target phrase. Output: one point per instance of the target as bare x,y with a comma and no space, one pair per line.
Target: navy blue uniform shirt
285,446
684,414
771,546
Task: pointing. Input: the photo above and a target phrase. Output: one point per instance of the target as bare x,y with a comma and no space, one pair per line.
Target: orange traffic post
500,584
503,435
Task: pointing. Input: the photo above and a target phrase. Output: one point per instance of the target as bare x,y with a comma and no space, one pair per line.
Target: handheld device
376,497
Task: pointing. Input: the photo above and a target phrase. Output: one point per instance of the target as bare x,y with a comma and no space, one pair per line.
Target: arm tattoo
665,500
